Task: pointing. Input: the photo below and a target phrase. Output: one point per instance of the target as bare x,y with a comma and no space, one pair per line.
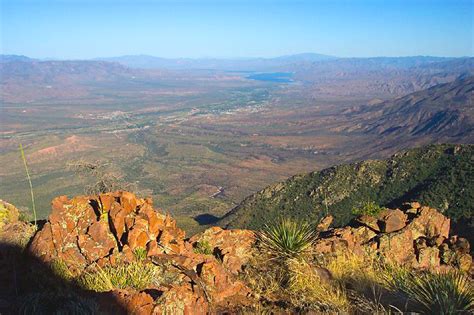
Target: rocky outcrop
202,275
415,236
115,227
103,229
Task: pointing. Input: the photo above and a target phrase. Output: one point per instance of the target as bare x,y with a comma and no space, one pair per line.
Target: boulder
392,220
369,221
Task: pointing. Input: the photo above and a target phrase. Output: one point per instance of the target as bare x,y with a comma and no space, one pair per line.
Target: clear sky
247,28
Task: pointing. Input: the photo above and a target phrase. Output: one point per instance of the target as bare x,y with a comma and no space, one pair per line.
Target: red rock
369,221
392,220
429,223
140,304
235,247
182,300
398,246
137,238
325,223
117,217
128,201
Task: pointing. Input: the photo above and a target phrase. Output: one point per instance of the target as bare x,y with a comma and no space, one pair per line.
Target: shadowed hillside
441,176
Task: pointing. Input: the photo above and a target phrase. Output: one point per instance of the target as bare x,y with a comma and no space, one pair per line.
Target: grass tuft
138,275
308,291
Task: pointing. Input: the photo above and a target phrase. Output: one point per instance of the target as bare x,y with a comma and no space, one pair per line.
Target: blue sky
102,28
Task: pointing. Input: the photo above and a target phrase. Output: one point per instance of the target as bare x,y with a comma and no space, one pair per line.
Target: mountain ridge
436,174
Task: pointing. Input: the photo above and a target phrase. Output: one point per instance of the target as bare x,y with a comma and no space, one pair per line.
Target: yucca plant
437,293
287,238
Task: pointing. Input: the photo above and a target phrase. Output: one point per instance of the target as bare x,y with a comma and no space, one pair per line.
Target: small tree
102,178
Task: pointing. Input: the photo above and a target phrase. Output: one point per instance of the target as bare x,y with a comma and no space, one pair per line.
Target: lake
279,77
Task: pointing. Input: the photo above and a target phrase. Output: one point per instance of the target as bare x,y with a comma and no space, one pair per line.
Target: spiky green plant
29,181
287,238
437,293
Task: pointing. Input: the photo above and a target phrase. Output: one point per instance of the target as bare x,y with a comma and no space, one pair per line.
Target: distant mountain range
243,64
441,176
444,110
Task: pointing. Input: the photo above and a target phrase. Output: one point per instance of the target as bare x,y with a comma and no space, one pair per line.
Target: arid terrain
200,141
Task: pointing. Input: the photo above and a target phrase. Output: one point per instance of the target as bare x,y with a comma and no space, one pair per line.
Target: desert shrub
101,177
367,208
287,238
137,275
55,303
203,247
436,293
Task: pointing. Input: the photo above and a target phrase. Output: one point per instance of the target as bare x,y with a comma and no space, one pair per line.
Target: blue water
278,77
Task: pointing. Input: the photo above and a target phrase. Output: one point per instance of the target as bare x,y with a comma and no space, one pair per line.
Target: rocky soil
89,233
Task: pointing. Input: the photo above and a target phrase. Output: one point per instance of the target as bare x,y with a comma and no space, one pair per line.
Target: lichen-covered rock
416,237
88,229
233,247
8,213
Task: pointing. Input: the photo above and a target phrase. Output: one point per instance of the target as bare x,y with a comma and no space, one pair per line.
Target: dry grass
307,291
137,275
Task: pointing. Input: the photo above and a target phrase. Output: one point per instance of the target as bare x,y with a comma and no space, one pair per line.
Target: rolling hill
441,176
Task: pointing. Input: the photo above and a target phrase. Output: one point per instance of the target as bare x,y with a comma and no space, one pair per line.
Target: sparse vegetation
103,179
137,275
203,247
443,293
367,208
140,253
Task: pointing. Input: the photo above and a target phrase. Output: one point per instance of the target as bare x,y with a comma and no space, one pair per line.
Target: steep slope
441,176
442,110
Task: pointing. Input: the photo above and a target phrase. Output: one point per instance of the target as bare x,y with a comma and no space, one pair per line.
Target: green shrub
287,238
203,247
436,293
368,208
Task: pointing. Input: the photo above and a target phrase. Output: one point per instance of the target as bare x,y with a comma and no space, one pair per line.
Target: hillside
441,176
444,110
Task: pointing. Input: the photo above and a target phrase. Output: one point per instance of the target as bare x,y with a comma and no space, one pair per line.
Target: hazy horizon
56,29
